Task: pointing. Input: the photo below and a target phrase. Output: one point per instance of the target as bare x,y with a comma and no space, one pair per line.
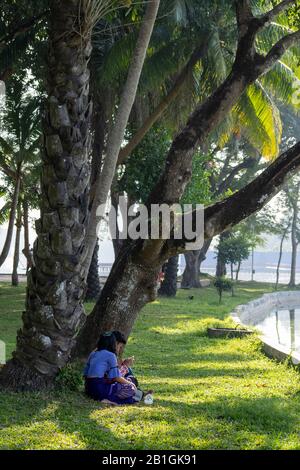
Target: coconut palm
19,142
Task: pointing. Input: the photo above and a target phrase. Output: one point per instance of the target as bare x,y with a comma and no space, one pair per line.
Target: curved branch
276,52
270,15
232,210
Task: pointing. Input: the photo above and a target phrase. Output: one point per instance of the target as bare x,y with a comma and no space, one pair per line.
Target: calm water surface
282,326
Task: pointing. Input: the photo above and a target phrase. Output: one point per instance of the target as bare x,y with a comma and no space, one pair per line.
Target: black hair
107,341
120,338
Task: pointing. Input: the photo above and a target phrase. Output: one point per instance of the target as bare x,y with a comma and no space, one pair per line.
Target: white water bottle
148,400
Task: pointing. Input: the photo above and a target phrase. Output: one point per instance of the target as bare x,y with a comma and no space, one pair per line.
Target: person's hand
132,384
129,361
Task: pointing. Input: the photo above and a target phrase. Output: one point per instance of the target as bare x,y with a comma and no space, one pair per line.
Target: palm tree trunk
116,135
12,216
15,277
26,250
54,309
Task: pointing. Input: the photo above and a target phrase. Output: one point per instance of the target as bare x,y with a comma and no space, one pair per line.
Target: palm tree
54,309
19,141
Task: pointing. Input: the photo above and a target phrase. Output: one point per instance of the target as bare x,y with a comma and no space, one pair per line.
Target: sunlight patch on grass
209,393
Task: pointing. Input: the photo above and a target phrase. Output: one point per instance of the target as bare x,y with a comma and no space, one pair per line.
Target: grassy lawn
209,393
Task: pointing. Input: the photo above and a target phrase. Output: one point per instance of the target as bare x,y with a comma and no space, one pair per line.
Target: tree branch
244,165
21,28
267,17
225,214
276,52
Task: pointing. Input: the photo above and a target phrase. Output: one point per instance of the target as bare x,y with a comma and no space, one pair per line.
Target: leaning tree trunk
133,279
190,277
26,250
131,284
203,253
11,222
93,279
15,276
168,287
54,310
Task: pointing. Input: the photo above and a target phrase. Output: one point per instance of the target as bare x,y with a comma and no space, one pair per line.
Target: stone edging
243,314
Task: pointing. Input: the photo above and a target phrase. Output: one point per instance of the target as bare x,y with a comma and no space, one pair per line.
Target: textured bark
190,277
130,285
168,286
93,279
54,310
15,277
203,252
99,126
11,222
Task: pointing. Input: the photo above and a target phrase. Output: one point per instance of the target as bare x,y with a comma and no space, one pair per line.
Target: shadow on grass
70,413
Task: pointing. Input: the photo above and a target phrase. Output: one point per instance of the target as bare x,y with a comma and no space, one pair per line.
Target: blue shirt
102,363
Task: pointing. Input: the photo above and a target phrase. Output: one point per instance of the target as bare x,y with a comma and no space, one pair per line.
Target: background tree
19,142
222,284
233,250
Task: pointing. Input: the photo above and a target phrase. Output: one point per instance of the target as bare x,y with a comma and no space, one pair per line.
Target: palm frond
259,120
281,81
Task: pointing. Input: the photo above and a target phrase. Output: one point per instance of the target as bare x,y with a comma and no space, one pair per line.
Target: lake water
282,326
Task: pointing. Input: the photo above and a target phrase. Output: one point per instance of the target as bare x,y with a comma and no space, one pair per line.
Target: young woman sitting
103,379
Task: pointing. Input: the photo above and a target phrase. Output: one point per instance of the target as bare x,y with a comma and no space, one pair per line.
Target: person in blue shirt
103,379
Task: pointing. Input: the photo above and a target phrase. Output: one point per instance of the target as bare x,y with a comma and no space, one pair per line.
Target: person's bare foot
108,402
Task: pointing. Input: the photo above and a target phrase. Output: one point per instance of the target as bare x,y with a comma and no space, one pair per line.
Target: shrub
70,378
222,284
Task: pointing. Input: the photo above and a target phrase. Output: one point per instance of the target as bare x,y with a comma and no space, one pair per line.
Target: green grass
209,393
